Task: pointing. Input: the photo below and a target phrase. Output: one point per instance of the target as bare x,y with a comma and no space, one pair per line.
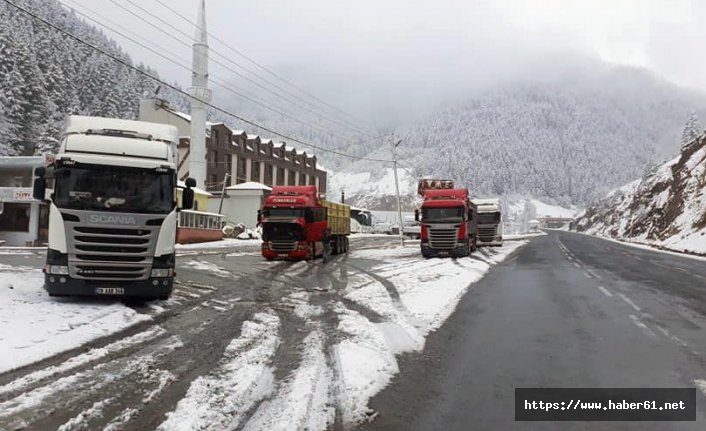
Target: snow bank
226,243
34,326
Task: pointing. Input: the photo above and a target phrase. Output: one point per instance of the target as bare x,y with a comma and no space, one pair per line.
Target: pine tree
692,129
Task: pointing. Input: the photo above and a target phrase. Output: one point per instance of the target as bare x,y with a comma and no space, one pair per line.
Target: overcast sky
371,56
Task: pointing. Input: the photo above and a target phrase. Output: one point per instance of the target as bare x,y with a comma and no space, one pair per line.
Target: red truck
295,222
448,220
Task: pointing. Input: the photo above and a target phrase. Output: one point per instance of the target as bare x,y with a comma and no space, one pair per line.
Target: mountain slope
568,141
666,208
47,75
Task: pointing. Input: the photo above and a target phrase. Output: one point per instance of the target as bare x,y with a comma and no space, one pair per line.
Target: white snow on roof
250,185
266,141
238,132
253,136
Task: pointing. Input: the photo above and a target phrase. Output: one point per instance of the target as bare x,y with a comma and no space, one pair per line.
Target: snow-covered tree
692,129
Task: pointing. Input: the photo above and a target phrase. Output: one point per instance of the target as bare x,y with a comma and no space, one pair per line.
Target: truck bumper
459,251
150,288
493,242
292,255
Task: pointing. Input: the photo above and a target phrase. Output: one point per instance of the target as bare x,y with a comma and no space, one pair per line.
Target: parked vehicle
448,222
112,212
412,228
490,222
295,222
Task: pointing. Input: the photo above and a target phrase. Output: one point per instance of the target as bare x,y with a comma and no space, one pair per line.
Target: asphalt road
567,310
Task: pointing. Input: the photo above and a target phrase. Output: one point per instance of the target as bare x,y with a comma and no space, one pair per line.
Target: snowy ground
382,312
243,344
34,326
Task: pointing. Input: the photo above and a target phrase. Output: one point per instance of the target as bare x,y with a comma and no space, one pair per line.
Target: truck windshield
284,212
442,214
282,231
489,218
114,188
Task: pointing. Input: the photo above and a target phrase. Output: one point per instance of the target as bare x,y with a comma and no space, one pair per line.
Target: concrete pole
397,187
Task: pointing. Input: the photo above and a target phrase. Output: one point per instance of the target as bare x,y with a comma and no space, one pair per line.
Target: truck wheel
347,244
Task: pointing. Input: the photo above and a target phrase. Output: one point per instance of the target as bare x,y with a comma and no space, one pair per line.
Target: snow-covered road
243,344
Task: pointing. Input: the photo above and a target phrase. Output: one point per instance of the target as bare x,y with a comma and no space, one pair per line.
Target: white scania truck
490,222
112,209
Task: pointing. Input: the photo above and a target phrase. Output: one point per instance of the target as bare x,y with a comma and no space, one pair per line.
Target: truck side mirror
416,215
187,198
39,188
308,215
259,216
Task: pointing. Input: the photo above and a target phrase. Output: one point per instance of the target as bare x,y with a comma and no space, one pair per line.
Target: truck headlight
162,272
57,269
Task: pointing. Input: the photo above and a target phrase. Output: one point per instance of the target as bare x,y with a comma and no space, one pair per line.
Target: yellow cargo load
339,217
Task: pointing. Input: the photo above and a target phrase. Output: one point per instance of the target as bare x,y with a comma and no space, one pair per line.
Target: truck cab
490,222
295,223
448,223
112,209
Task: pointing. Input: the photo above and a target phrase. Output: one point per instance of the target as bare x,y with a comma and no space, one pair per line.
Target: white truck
490,222
112,209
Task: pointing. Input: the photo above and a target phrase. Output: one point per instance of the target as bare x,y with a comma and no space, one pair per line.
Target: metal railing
200,220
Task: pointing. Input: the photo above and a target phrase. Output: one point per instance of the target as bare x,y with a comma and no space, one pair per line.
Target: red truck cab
448,223
295,223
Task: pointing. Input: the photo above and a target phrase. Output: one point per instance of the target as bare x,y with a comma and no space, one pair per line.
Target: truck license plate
110,290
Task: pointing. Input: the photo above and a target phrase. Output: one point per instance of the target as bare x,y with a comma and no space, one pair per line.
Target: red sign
22,195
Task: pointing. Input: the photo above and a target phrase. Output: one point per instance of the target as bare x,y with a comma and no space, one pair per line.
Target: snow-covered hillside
567,141
666,208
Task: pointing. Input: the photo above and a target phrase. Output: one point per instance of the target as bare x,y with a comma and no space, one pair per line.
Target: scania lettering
296,222
448,220
112,209
490,222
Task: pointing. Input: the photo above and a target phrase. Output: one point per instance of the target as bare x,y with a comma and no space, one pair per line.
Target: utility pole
223,192
397,187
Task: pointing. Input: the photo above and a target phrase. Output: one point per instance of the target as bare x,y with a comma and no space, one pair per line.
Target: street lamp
397,187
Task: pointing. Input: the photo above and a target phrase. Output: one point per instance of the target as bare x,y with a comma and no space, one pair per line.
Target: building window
292,177
15,218
280,176
302,180
212,158
229,164
312,180
268,174
242,170
255,172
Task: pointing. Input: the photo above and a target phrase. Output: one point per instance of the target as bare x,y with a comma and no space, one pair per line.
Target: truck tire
347,244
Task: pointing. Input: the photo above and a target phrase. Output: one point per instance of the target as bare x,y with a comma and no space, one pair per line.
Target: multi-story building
244,157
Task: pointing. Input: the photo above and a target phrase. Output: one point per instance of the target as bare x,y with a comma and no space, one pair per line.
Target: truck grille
487,232
111,253
443,238
281,246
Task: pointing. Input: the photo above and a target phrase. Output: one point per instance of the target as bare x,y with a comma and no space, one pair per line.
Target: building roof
250,185
253,136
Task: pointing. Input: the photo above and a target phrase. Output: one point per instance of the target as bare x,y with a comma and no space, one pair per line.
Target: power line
141,18
214,79
179,90
261,67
